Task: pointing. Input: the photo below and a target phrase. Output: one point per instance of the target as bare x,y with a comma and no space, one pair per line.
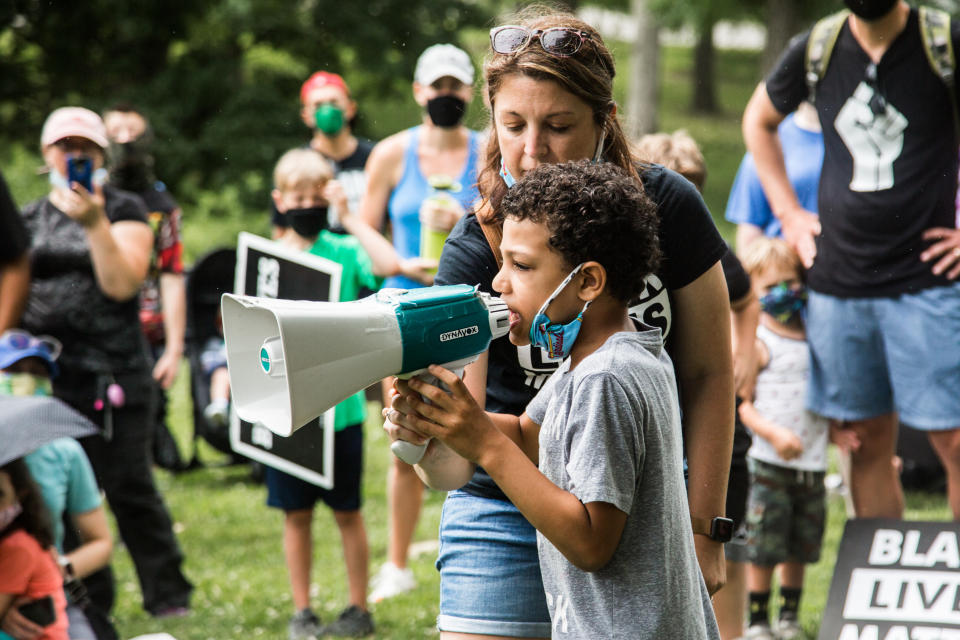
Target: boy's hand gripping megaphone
292,360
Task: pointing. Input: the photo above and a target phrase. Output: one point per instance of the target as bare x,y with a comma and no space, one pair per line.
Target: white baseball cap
442,60
74,122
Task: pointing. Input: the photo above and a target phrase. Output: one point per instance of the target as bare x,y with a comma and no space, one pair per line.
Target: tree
643,93
218,78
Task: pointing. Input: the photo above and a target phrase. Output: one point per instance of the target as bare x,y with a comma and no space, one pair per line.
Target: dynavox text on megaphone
292,360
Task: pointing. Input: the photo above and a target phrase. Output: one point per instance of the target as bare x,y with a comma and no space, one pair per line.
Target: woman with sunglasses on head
422,179
550,89
89,254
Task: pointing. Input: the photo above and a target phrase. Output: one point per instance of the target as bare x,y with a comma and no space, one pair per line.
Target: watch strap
701,526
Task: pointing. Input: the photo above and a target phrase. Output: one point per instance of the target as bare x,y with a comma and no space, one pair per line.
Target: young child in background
303,190
608,500
28,571
787,505
213,362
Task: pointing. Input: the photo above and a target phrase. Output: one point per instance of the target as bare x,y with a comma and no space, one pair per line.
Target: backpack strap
823,36
937,44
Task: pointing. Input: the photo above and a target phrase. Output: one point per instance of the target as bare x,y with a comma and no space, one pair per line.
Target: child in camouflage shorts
786,509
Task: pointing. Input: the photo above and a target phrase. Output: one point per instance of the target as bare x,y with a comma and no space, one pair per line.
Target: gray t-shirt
610,432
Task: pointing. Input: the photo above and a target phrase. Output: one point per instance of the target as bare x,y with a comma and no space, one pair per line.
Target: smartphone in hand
39,611
80,170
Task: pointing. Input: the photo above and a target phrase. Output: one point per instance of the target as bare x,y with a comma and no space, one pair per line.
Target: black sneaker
304,625
353,622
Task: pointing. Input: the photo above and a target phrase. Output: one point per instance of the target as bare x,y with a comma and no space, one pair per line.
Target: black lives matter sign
895,580
269,270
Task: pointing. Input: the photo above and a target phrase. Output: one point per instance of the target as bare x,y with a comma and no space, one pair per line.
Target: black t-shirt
350,173
738,282
690,244
885,178
13,235
99,335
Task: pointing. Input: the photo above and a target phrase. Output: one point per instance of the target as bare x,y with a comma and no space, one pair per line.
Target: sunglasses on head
558,41
21,340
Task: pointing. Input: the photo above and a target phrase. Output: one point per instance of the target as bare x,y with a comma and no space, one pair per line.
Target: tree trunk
644,86
704,79
783,22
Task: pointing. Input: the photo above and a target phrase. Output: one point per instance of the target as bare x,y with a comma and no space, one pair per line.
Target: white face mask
59,181
9,514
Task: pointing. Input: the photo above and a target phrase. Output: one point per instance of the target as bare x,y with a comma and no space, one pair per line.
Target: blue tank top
413,188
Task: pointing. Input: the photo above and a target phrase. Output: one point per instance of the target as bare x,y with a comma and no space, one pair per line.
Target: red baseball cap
322,79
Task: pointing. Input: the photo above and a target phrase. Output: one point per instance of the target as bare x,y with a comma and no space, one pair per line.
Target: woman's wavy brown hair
588,75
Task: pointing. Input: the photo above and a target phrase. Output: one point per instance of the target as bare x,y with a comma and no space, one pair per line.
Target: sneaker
304,625
789,629
353,622
167,612
390,581
217,413
759,632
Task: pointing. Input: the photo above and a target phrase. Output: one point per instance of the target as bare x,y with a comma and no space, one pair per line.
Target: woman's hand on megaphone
395,417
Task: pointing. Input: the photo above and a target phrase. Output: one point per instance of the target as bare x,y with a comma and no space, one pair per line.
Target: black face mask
870,9
309,221
446,110
131,164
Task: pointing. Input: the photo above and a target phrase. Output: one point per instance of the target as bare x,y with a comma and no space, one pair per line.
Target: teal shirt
357,273
65,477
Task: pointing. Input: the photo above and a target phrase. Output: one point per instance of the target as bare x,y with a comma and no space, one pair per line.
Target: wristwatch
66,566
718,529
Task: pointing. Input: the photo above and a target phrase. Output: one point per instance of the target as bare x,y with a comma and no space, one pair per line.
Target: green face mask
24,384
329,118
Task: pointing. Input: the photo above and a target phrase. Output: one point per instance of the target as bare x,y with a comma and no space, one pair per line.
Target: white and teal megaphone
292,360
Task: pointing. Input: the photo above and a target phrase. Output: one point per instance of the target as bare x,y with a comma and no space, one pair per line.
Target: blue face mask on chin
784,304
553,337
509,180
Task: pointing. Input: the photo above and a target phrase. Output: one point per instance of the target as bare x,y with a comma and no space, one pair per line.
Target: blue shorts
873,356
489,570
293,494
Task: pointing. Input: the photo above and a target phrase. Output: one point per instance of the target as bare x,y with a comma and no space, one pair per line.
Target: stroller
210,277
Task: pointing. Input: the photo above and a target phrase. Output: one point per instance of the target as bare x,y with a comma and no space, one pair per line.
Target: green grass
234,554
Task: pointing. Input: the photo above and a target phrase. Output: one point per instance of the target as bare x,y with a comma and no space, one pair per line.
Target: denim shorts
873,356
290,493
489,570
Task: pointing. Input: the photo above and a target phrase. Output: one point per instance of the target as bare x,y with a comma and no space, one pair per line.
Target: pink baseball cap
74,122
322,79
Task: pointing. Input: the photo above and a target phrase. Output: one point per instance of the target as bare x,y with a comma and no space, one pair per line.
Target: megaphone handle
407,451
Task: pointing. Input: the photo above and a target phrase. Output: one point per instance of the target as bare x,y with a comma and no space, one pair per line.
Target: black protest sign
270,270
895,580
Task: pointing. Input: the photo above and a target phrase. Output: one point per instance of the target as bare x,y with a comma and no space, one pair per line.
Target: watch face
721,529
